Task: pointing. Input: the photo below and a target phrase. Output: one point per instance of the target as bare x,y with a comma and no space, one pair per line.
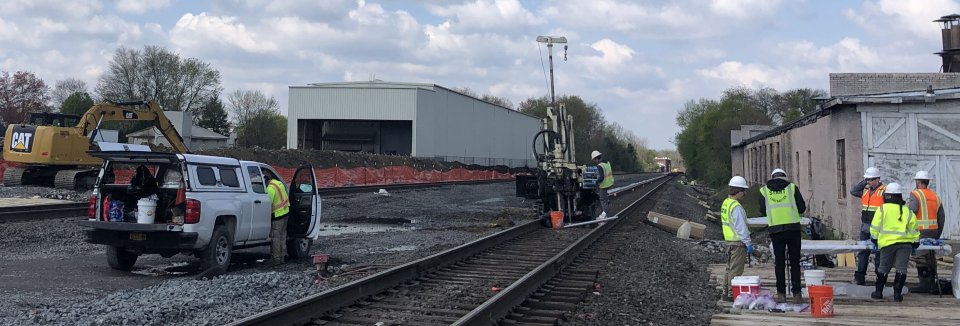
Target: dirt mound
327,159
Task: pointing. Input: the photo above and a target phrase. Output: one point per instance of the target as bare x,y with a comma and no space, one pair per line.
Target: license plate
138,236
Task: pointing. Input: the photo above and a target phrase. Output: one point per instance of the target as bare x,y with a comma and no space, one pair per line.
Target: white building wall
901,139
455,127
348,103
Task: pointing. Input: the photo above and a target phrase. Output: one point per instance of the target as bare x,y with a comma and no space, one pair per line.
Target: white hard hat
922,175
739,182
893,188
595,154
775,171
871,173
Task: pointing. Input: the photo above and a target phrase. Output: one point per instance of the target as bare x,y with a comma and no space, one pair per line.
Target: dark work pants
863,257
787,242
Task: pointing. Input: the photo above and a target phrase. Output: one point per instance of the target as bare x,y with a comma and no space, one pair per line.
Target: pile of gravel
52,238
658,279
44,192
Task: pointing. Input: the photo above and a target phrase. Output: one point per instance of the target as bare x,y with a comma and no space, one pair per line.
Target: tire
120,259
219,251
299,248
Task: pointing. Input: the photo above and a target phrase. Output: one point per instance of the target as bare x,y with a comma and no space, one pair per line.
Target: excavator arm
132,111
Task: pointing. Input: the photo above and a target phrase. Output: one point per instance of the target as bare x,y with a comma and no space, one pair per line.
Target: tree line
190,84
174,82
705,124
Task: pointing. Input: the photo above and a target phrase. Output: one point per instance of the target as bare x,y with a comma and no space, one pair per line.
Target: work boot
860,278
797,298
602,216
781,297
926,281
881,281
898,281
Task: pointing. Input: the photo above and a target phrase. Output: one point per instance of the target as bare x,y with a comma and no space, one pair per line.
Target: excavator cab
53,119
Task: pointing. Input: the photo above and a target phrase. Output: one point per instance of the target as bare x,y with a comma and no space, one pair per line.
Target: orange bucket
821,300
556,219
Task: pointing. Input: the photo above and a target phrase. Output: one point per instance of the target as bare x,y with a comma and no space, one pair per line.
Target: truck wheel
120,259
219,251
299,248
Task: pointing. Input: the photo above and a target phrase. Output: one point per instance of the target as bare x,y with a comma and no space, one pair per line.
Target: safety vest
280,204
726,210
781,205
872,199
893,224
929,207
607,175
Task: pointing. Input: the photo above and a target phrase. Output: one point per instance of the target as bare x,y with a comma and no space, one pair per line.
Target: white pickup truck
226,207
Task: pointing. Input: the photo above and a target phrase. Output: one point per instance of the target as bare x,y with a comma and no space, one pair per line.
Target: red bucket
556,219
821,300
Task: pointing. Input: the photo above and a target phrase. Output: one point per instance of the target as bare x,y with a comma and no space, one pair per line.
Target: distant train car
664,163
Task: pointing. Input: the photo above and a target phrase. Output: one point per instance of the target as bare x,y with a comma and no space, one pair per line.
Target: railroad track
478,283
333,191
44,211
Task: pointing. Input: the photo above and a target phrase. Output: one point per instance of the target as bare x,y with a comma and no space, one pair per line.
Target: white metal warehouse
423,120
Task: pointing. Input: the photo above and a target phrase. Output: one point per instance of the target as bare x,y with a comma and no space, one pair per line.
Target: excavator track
13,177
68,179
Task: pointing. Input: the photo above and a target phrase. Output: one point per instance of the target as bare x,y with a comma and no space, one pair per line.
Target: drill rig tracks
478,283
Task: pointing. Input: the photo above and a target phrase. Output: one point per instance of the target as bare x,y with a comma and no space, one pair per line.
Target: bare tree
62,90
155,73
21,94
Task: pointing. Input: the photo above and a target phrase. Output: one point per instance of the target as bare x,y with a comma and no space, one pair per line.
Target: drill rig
558,183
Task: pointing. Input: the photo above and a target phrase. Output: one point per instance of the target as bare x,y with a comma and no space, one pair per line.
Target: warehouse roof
844,101
379,84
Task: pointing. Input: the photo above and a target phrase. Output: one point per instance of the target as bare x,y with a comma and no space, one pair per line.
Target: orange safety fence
360,176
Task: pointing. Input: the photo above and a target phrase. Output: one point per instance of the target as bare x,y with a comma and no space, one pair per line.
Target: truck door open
304,204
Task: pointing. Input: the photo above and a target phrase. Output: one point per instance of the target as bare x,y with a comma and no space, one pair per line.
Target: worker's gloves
750,249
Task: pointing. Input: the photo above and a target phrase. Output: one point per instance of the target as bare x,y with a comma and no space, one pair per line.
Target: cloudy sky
639,61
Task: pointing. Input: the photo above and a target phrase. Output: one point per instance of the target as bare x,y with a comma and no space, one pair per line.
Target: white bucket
146,210
814,276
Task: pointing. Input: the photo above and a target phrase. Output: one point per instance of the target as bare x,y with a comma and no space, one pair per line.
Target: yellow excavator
56,155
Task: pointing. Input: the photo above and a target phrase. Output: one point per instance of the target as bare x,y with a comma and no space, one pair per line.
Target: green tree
258,120
704,139
62,90
265,129
76,104
213,116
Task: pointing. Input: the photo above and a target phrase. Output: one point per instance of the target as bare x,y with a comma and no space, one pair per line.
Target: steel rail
304,310
347,190
42,211
503,303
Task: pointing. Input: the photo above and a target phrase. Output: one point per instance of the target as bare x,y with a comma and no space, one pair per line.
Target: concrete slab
16,202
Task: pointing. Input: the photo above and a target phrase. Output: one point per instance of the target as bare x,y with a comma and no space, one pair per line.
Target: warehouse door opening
372,136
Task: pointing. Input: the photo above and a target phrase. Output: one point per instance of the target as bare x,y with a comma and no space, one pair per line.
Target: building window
841,169
810,170
796,168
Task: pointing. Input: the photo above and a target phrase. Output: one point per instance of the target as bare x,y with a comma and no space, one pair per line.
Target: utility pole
550,40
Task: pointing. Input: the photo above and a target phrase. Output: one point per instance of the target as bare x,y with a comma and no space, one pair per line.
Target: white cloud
904,16
745,9
487,15
193,31
140,6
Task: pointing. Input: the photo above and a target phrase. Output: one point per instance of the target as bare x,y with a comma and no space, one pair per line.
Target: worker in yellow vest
782,202
870,191
604,182
930,217
280,207
894,231
735,232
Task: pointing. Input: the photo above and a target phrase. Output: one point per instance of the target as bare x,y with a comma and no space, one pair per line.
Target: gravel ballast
59,279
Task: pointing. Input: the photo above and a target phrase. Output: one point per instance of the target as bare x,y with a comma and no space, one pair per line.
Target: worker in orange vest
870,191
929,210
